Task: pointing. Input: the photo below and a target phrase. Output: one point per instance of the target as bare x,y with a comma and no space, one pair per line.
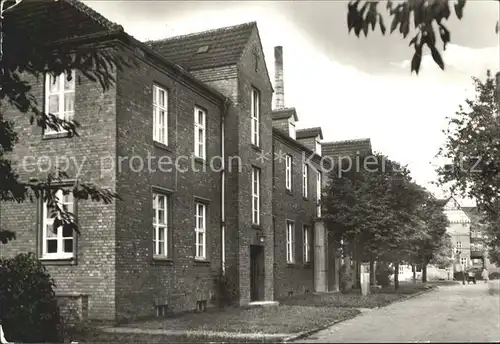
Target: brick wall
93,271
297,277
141,281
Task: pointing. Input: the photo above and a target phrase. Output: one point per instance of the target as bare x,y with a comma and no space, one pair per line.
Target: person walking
484,275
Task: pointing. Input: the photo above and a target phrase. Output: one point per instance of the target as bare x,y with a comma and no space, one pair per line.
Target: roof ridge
219,29
310,128
348,141
284,109
80,6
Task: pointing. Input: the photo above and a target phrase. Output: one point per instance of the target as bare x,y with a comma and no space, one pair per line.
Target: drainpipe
223,188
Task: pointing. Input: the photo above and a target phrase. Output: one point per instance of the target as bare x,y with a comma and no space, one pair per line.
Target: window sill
56,135
163,146
201,262
162,261
305,199
199,160
256,148
58,261
257,227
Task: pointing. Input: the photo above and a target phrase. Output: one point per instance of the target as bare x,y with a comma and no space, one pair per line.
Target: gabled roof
309,132
208,49
48,16
284,113
347,148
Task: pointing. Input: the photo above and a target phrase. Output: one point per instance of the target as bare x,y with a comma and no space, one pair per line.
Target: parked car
471,276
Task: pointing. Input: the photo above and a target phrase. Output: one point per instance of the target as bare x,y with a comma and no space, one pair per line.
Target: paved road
450,314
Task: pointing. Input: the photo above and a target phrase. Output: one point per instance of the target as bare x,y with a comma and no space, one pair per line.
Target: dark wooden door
256,273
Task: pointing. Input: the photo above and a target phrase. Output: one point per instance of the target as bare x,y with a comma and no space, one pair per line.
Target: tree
424,16
443,257
373,210
29,52
472,149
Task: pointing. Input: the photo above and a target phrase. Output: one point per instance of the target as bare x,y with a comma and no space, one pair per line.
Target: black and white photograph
309,171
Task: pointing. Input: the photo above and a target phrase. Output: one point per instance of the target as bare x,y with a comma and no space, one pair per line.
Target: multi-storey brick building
212,179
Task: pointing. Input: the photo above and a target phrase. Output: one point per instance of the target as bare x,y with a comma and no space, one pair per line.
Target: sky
351,87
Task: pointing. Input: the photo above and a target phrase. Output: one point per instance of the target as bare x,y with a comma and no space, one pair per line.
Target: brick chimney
279,92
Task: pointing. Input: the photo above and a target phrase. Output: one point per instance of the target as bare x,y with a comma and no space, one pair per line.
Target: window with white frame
288,172
255,195
307,244
401,269
161,235
318,194
200,119
200,231
305,180
160,114
58,244
255,117
60,97
290,233
459,245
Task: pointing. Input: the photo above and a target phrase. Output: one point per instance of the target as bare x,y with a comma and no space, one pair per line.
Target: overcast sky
351,87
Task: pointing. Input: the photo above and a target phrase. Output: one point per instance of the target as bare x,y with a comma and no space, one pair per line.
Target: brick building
227,206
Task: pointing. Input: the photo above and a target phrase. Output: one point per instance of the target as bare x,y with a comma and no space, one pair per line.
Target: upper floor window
160,115
161,235
200,118
318,193
288,172
255,196
305,180
58,243
60,97
200,231
255,117
290,239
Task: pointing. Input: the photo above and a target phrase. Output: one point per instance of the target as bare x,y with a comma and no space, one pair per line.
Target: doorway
256,273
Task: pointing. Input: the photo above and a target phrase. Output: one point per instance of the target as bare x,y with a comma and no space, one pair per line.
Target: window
60,97
463,261
459,245
290,231
161,236
200,231
255,196
291,126
318,194
305,180
58,244
288,172
318,147
199,133
255,117
401,269
160,115
307,245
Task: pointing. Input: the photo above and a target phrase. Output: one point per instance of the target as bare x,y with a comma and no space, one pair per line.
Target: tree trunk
396,276
424,272
373,280
414,271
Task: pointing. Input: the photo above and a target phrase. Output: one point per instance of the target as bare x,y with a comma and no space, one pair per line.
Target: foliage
494,275
442,258
472,149
383,273
29,53
28,305
345,277
421,16
374,209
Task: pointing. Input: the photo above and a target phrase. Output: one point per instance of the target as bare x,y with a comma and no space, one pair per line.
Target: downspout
225,108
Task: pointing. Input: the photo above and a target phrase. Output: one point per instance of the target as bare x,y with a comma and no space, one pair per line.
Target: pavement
458,313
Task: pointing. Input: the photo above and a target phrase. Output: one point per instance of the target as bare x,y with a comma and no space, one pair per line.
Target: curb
301,335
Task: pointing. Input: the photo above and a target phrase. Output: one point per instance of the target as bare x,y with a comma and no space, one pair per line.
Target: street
449,314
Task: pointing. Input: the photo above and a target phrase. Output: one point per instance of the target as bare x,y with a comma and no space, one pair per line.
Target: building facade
214,180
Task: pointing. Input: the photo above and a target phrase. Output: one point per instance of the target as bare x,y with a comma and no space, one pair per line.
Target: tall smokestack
279,92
